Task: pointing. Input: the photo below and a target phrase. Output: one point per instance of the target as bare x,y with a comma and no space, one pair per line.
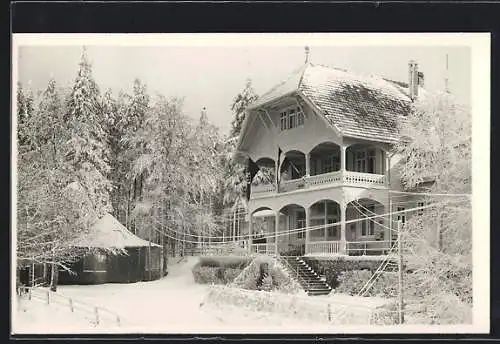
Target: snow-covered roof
108,232
362,106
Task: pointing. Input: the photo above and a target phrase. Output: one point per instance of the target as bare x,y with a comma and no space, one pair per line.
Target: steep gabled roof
359,106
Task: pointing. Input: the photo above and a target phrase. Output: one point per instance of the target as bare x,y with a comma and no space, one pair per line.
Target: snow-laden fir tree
24,112
88,146
436,156
240,103
49,218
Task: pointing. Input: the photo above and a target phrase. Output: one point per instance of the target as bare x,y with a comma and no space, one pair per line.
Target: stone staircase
309,280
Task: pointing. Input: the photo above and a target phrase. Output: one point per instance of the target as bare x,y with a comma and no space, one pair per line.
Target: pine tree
88,147
436,151
234,180
25,108
49,220
240,103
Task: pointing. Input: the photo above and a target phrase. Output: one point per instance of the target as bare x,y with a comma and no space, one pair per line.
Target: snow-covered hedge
351,282
235,262
218,270
420,307
279,279
292,306
214,275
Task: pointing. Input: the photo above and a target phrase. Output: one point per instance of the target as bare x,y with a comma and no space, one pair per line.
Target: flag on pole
251,171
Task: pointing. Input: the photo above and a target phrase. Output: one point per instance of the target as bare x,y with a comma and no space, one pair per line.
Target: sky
211,76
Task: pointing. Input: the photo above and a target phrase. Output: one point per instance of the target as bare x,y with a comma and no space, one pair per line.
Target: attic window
291,117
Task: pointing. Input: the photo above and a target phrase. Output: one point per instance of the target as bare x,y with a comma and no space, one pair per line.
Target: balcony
320,181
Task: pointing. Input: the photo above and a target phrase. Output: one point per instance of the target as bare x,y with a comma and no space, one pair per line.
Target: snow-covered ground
174,304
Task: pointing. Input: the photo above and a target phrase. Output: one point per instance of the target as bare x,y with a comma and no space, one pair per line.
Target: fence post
29,293
96,315
118,320
329,312
48,297
71,305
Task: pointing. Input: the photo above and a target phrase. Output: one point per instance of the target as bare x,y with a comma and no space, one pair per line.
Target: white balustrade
264,248
263,188
358,178
322,180
368,247
325,179
318,248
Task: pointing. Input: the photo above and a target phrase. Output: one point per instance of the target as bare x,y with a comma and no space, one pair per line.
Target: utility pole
234,223
149,250
400,275
162,243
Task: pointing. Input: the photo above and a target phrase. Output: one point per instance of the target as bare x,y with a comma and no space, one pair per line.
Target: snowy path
172,305
167,304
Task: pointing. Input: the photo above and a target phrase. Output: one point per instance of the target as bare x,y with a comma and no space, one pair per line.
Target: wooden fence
97,314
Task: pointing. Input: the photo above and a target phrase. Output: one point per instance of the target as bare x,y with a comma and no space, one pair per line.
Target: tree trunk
45,277
127,215
54,277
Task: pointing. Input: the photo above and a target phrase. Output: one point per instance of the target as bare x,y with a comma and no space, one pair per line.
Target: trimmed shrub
280,281
351,283
230,274
205,275
218,270
235,262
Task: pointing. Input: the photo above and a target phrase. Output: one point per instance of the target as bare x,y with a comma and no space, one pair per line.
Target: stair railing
295,271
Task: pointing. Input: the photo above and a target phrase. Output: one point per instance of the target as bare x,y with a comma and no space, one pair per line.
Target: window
365,160
283,120
94,263
368,225
360,157
290,118
300,223
300,118
363,228
401,216
332,230
371,161
420,212
327,164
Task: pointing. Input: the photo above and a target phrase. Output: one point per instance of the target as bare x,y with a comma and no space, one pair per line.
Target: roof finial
307,54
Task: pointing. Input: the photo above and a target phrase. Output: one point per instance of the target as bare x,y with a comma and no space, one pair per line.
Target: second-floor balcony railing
323,180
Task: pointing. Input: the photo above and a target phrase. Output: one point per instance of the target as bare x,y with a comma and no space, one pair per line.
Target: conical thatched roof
108,232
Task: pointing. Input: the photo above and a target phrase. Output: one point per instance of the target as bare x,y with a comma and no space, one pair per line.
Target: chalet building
327,136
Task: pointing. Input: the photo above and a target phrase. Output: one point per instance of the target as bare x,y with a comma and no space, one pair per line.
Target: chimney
413,79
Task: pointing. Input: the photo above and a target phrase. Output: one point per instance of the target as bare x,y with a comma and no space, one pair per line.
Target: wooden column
308,232
276,230
343,208
250,232
277,171
387,168
343,150
308,164
325,221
